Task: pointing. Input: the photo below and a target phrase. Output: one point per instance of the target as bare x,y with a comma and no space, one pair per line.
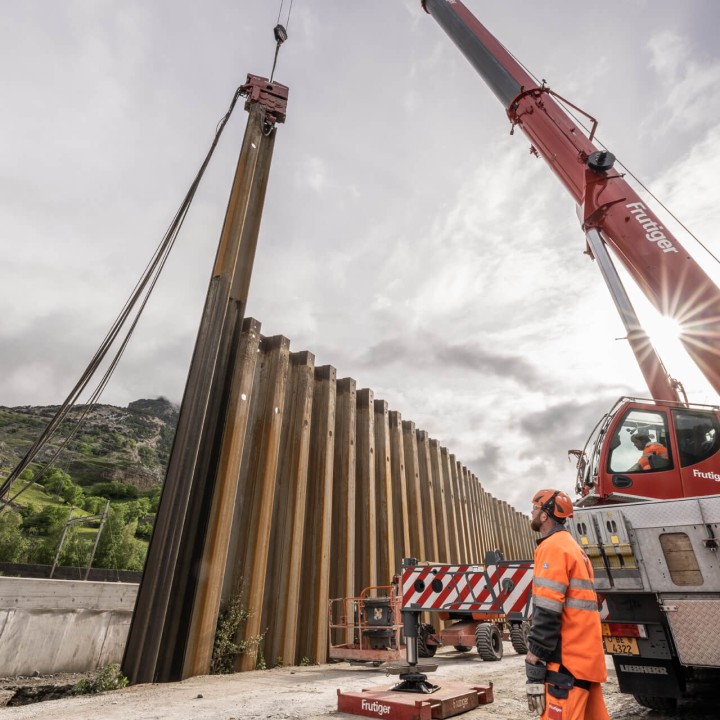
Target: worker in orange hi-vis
654,455
565,663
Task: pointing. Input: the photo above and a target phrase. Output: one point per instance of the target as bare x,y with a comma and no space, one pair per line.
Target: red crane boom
653,467
671,279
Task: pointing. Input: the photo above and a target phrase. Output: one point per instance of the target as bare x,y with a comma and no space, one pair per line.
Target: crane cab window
698,436
640,443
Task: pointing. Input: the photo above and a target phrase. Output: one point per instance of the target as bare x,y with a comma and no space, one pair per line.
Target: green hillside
116,454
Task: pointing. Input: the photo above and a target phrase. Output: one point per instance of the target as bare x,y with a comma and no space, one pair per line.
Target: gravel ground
310,693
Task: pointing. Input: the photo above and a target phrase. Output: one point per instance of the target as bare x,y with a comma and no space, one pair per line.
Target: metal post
160,630
97,539
62,540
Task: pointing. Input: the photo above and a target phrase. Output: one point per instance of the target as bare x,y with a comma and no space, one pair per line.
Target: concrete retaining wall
51,626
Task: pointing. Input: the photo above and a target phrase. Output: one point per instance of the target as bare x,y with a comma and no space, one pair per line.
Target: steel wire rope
92,400
147,280
621,164
281,35
282,4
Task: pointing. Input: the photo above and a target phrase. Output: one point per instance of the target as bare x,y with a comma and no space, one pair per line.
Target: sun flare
665,332
663,329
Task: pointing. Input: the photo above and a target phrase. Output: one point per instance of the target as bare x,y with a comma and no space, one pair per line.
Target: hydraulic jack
414,697
412,677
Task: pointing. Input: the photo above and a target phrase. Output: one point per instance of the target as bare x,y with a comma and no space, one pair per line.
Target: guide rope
136,303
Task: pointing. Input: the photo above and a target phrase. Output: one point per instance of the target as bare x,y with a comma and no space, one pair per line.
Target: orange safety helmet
555,503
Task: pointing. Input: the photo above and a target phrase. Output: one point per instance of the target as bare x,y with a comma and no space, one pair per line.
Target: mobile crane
650,525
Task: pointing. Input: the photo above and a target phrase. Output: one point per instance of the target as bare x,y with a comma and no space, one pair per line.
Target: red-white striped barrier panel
503,588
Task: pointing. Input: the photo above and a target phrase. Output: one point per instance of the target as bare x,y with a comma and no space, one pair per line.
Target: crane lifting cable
131,312
280,32
562,101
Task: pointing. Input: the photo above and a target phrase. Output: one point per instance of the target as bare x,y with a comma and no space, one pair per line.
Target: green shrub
115,490
144,530
227,647
109,677
117,547
13,545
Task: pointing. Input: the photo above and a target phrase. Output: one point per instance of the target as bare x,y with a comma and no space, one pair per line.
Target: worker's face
537,518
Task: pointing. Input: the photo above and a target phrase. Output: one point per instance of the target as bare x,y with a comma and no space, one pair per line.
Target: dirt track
309,693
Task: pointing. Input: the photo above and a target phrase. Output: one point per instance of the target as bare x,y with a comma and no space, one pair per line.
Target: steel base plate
450,700
404,668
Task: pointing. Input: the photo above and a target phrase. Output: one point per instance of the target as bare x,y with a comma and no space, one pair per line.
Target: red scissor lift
368,628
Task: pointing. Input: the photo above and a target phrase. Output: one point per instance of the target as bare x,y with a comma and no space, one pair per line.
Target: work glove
536,697
535,687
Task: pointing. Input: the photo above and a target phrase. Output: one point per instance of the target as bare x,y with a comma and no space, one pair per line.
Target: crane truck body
650,529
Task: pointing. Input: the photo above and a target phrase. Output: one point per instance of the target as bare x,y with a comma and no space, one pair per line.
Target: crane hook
280,37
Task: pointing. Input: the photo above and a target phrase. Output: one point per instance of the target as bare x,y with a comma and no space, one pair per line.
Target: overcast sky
407,238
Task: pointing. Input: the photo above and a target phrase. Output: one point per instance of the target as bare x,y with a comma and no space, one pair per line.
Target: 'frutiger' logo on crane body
654,231
707,475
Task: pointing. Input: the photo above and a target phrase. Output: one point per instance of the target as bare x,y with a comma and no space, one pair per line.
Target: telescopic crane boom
653,467
609,209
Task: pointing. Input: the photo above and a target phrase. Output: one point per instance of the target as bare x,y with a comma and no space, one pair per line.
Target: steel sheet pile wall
334,490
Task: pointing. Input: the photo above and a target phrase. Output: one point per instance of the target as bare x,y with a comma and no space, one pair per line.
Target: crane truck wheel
488,641
424,649
519,637
660,704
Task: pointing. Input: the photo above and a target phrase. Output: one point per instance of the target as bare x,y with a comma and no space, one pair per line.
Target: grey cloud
431,214
428,351
489,464
478,359
564,426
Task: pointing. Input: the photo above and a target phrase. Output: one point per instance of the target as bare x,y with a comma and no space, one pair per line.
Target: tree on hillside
60,483
75,551
117,548
13,544
94,504
43,530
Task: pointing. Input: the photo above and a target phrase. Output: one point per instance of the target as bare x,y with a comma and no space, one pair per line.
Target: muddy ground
308,693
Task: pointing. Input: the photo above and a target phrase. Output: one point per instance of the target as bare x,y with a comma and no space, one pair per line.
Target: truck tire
488,641
425,650
519,636
660,704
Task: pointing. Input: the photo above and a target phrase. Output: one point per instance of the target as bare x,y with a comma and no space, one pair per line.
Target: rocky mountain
130,445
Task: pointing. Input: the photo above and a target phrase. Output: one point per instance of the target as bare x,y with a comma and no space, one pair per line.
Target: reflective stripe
581,604
553,605
583,584
551,584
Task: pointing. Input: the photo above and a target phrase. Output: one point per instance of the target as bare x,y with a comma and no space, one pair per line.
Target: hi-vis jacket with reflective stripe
652,448
566,620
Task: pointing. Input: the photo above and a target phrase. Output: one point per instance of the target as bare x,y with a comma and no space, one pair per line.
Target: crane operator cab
651,450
